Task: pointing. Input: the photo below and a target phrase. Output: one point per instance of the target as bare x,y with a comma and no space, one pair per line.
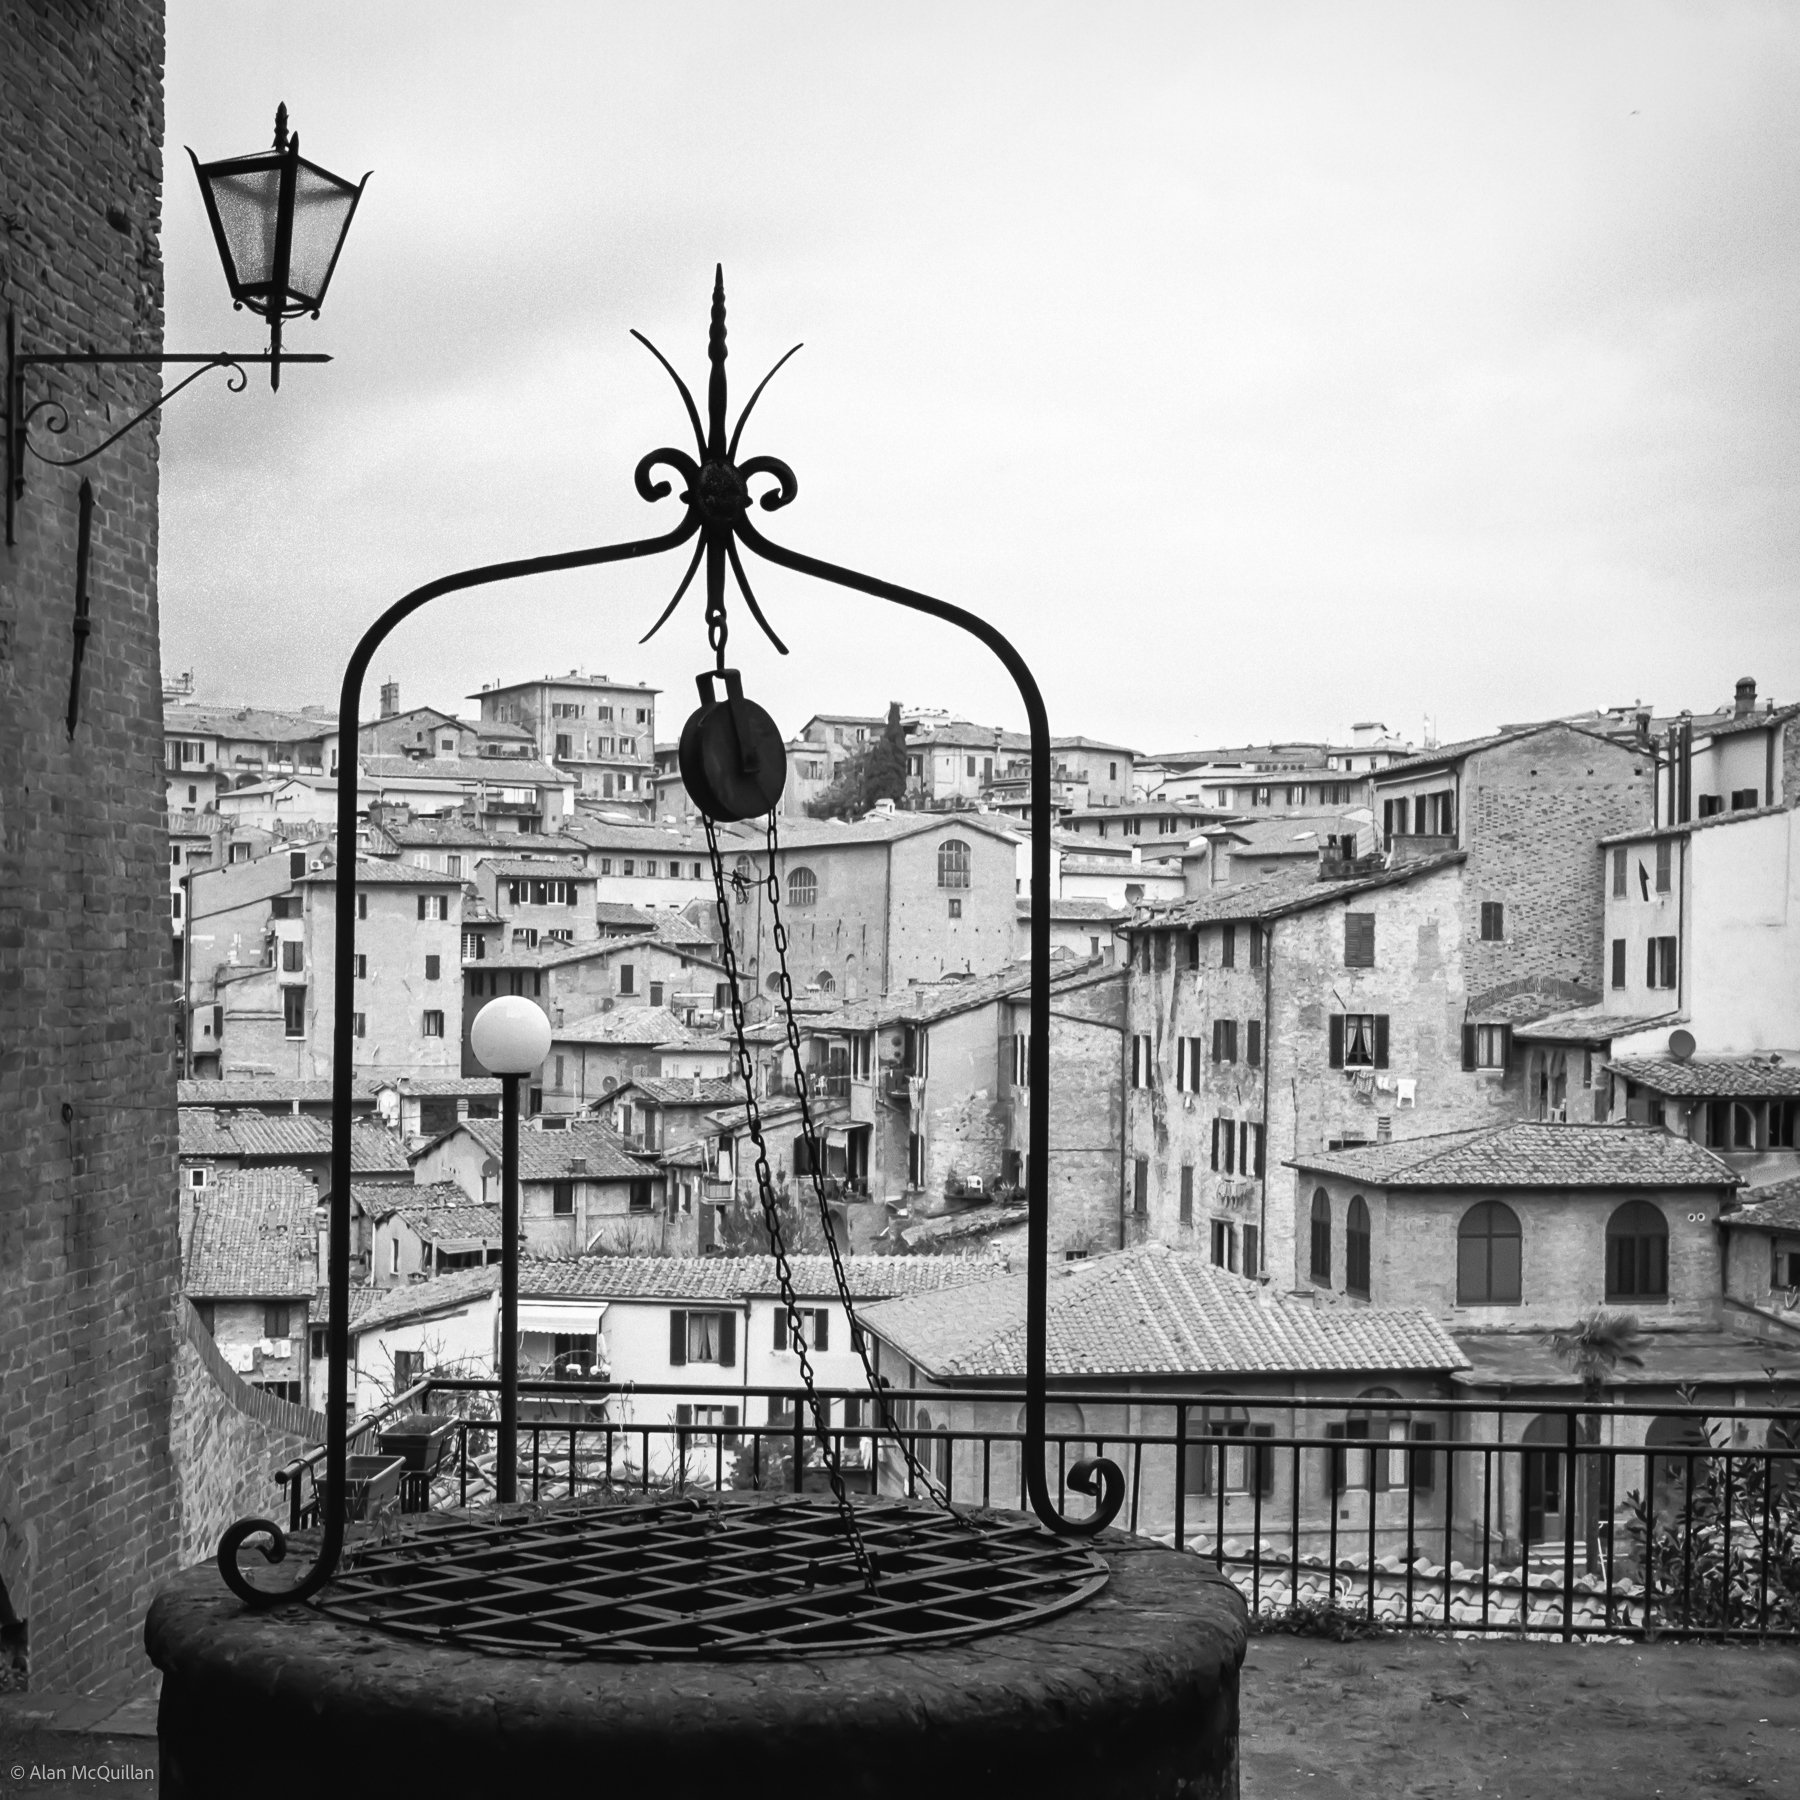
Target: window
802,888
1710,804
293,956
1742,798
1224,1044
1187,1193
1487,1047
1356,1246
296,864
562,1198
197,1177
1259,946
1659,962
1637,1253
1618,881
1160,949
432,1024
275,1321
362,967
293,1011
1252,1250
1664,870
1253,1043
627,978
1618,962
1228,948
1359,940
1140,1186
628,866
432,965
1224,1144
1224,1245
815,1327
1372,1456
1320,1267
1487,1256
1141,1064
1225,1460
362,906
703,1337
1191,958
953,864
1359,1041
237,853
956,909
434,906
970,770
359,1024
1187,1065
175,906
1493,921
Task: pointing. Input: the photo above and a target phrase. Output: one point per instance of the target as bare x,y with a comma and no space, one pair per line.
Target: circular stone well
1123,1682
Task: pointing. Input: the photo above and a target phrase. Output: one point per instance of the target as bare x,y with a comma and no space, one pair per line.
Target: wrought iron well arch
718,500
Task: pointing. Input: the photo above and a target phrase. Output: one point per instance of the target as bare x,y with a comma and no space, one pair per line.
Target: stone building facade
89,1255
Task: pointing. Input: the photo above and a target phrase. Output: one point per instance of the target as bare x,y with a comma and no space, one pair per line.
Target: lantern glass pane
322,206
248,200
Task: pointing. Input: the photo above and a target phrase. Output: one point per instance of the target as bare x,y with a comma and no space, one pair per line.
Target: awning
562,1318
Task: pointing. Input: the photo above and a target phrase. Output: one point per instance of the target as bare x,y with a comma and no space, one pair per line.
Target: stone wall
89,1260
228,1438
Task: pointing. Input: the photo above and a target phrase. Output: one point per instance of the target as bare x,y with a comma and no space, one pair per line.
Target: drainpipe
1268,1057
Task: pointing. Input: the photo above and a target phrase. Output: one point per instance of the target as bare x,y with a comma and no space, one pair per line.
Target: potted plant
419,1439
372,1485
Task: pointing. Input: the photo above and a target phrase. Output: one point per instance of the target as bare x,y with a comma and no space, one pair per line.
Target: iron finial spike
281,125
715,350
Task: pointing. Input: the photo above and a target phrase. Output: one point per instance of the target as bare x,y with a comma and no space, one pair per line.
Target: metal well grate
710,1578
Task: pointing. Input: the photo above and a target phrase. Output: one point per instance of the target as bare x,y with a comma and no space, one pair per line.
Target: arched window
1232,1464
824,981
1637,1252
953,863
1321,1236
1487,1256
1356,1246
1382,1449
803,887
773,982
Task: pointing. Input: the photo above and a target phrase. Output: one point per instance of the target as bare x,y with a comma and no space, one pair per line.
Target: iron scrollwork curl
718,500
56,415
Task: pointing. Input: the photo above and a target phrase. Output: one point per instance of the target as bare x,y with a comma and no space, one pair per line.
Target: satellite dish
1681,1045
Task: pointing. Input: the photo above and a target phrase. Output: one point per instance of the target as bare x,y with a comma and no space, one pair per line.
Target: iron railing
1499,1518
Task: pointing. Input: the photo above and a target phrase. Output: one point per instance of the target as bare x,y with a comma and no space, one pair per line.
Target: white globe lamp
510,1036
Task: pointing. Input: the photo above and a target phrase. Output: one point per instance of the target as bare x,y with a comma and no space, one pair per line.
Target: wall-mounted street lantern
510,1038
279,222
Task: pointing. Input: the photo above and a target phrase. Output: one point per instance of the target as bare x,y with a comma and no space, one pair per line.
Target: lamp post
510,1038
279,223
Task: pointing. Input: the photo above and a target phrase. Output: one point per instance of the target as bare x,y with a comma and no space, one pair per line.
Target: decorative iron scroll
718,499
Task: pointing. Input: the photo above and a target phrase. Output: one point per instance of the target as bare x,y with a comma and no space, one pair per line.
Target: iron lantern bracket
19,413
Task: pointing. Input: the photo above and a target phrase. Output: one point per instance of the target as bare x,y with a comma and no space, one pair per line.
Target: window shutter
780,1327
1505,1049
1194,1060
1218,1040
1337,1040
1265,1459
421,906
1261,1136
822,1329
677,1339
1228,957
1468,1046
1215,1141
728,1340
1243,1157
1181,1074
1253,1043
1381,1040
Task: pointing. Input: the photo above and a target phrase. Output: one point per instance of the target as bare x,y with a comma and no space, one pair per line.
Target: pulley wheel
733,761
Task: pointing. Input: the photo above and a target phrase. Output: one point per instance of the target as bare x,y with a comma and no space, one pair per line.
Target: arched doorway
1545,1480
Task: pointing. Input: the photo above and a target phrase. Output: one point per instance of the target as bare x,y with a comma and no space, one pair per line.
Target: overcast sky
1258,368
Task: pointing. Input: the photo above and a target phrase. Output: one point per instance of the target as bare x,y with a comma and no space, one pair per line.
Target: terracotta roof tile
547,1155
1155,1311
253,1238
1530,1155
1775,1207
1703,1075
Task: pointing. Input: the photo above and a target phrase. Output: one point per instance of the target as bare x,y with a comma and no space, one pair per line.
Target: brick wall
1535,811
228,1438
88,1252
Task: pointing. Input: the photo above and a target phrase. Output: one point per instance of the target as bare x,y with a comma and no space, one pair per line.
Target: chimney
1745,703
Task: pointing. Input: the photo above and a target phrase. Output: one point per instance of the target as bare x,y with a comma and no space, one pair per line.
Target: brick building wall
1534,812
89,1259
229,1438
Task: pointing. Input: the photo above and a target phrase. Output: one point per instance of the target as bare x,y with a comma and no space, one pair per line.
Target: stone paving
1435,1719
83,1745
